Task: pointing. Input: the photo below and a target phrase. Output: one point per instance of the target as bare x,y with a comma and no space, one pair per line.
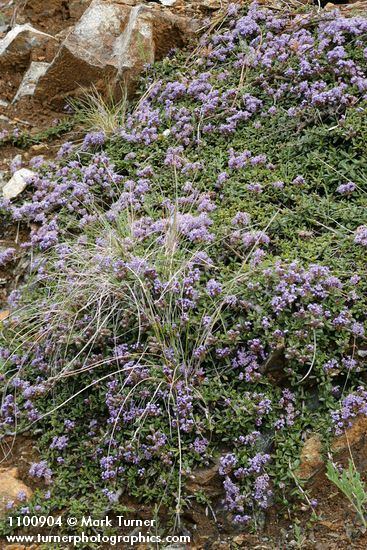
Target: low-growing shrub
197,286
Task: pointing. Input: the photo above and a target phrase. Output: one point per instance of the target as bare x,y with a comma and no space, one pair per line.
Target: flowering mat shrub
198,281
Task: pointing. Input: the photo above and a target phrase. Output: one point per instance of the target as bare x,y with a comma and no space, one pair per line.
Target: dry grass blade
100,112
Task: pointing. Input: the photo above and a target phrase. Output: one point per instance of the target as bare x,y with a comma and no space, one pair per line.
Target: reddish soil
335,527
51,16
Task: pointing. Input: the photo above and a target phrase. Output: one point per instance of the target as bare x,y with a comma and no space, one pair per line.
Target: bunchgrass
98,111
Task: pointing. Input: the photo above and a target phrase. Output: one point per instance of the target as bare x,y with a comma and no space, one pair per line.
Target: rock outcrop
17,47
110,46
12,489
311,459
107,47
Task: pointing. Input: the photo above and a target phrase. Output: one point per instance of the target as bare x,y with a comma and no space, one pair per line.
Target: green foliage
299,537
26,139
349,482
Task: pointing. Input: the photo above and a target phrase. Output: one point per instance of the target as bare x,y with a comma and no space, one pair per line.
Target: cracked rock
28,85
18,44
111,43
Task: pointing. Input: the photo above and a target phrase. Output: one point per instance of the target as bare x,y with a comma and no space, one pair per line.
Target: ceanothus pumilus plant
197,291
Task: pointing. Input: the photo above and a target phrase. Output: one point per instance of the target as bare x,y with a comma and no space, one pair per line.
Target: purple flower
349,363
59,442
357,329
200,445
14,299
355,279
360,236
342,320
69,424
7,256
65,150
238,160
227,463
234,8
222,178
354,404
195,228
41,470
21,496
241,218
173,157
346,188
257,462
213,288
251,238
262,492
90,140
255,187
299,181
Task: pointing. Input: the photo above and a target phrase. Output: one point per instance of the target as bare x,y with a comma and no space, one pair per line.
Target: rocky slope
245,170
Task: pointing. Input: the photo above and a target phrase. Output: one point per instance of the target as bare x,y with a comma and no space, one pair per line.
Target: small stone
4,314
2,179
17,183
211,4
167,2
39,147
